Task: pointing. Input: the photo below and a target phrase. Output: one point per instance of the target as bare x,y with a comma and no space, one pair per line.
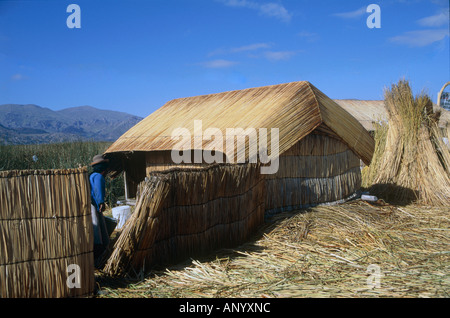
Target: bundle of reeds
369,173
45,226
411,160
189,212
152,194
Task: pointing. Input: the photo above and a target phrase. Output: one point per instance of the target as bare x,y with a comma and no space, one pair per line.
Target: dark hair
100,167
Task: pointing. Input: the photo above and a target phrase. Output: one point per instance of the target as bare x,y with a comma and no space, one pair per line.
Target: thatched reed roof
296,109
369,112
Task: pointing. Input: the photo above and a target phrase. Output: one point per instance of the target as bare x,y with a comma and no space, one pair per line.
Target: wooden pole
125,181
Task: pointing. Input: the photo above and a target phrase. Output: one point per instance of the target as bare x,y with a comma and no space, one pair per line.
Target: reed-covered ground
352,250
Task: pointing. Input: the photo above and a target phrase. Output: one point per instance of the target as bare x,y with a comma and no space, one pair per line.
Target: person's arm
102,205
99,191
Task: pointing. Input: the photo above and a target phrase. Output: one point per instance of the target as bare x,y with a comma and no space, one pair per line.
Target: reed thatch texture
367,112
45,225
371,113
182,213
318,169
412,162
347,127
296,109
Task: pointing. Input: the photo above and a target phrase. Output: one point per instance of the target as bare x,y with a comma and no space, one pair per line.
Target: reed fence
182,213
45,226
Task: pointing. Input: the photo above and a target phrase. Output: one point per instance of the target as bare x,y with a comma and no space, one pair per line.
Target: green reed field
63,155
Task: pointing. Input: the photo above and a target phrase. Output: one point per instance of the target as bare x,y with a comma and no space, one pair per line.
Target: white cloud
18,77
306,34
437,20
309,36
218,64
352,14
240,3
250,47
275,10
255,50
279,55
270,9
244,48
420,38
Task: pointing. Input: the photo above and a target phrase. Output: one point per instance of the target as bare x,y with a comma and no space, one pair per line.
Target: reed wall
45,225
318,169
182,213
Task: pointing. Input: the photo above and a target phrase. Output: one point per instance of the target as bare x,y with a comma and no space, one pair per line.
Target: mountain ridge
30,124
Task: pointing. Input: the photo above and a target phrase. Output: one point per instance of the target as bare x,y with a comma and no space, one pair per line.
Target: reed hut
320,144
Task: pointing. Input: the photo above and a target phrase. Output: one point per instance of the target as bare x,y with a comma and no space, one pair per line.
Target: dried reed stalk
324,251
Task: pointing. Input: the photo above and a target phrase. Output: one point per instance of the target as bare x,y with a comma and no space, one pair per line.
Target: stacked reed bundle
412,162
202,210
45,226
142,225
318,169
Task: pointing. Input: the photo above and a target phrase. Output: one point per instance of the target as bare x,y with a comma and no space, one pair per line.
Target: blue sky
136,55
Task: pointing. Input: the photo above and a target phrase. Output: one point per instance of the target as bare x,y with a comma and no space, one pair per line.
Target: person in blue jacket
97,181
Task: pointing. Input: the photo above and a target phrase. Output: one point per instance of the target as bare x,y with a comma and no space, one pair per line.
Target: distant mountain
26,124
